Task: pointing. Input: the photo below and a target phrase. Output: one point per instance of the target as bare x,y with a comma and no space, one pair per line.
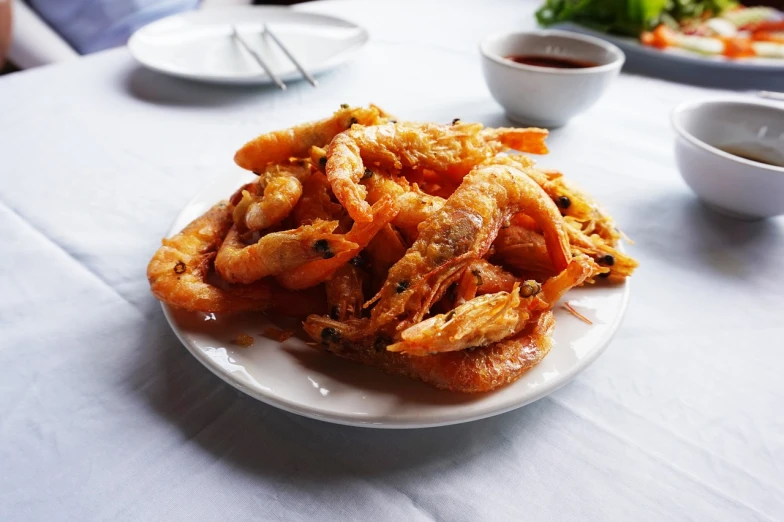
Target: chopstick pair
264,65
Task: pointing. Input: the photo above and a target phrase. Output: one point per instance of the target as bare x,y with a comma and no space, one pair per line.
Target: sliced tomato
765,25
738,48
766,36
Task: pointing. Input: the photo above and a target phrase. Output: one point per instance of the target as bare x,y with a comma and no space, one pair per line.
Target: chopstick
256,56
291,57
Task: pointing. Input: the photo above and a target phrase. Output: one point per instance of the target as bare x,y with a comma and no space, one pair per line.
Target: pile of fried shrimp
432,251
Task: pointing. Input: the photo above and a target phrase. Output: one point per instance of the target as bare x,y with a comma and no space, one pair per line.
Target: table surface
105,416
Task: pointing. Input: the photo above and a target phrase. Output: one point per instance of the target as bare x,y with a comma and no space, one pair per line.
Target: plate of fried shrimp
371,271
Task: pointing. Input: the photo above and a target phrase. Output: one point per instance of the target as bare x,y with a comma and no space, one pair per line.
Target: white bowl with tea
731,154
545,78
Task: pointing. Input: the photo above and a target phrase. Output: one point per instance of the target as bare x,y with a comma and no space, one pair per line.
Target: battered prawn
319,270
471,371
415,205
573,202
178,272
493,317
272,198
464,229
278,252
295,142
451,150
524,249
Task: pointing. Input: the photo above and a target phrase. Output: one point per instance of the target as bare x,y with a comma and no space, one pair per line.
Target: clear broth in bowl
752,155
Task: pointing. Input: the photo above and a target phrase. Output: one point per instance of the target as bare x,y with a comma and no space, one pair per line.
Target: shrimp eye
368,174
402,286
323,161
179,268
455,121
344,105
330,335
322,246
357,261
530,288
351,122
334,313
604,275
608,260
564,202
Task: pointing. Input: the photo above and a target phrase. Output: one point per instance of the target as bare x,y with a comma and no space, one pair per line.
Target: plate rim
207,192
257,79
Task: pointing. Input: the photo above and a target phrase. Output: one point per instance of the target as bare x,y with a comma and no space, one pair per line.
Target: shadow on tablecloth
152,87
304,453
682,229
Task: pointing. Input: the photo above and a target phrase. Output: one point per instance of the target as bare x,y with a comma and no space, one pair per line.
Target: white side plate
197,45
300,379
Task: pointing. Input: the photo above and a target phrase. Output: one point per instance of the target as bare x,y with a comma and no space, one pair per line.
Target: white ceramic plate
682,65
197,45
300,379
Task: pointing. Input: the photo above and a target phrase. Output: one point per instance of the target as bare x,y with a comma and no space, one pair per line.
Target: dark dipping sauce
553,62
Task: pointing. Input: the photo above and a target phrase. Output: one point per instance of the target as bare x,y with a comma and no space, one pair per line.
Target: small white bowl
731,184
545,96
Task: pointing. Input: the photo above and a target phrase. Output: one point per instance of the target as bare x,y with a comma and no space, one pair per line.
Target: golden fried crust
474,370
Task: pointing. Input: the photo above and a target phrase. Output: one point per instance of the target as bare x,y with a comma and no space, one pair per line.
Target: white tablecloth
105,416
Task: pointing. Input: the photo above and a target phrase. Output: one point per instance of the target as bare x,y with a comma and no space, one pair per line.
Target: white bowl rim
616,63
695,104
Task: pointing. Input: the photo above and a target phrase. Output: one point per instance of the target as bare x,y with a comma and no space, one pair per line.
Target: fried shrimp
279,146
471,371
318,271
573,203
415,205
278,252
428,251
523,249
460,233
490,318
255,213
449,149
178,271
272,197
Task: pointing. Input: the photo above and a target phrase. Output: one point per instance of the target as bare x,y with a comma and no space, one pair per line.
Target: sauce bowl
547,96
715,140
